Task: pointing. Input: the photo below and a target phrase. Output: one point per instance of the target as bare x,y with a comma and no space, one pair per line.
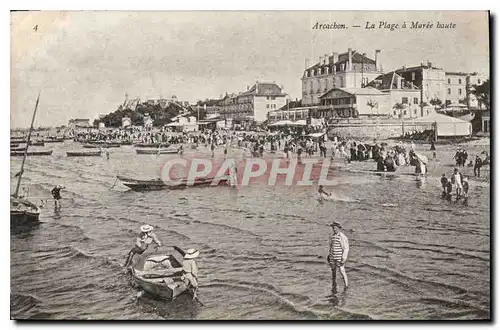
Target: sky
84,62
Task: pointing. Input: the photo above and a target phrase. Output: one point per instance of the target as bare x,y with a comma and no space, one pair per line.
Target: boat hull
23,213
151,185
166,286
155,151
83,154
31,153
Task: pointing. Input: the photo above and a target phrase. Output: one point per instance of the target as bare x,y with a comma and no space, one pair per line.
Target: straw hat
191,254
335,224
146,228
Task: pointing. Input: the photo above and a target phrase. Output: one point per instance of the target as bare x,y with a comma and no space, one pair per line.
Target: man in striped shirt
339,249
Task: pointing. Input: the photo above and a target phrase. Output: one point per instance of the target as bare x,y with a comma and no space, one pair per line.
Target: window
413,76
404,100
415,111
395,114
273,97
479,81
267,97
449,81
404,112
459,91
267,106
449,91
415,100
459,81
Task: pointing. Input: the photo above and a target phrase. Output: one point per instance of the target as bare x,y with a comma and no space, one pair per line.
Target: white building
253,104
346,70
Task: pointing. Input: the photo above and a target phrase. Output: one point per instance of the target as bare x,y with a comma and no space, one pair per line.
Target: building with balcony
253,104
346,70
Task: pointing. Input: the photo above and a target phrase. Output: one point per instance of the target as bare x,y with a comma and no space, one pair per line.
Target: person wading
56,193
339,249
145,238
189,269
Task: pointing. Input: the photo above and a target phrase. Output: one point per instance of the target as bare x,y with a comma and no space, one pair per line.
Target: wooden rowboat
160,276
32,153
152,145
37,143
155,151
54,140
158,184
83,153
103,145
18,149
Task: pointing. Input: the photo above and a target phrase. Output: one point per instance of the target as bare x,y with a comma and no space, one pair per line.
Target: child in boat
145,238
189,268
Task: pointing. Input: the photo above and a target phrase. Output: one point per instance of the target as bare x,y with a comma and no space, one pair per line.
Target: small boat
164,282
32,153
126,143
14,145
53,140
83,153
23,212
18,149
37,143
155,151
18,141
102,145
158,184
152,145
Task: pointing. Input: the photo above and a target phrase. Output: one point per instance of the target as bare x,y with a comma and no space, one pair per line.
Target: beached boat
37,143
152,145
158,184
159,276
153,151
17,141
14,145
18,149
102,145
83,153
53,140
126,143
32,153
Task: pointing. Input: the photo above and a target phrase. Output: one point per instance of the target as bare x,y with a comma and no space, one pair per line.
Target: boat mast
26,150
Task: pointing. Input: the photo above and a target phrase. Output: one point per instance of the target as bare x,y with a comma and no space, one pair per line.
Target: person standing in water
189,268
457,179
56,193
465,185
337,257
145,238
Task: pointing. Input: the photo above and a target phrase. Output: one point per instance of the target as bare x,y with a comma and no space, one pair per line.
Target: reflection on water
263,249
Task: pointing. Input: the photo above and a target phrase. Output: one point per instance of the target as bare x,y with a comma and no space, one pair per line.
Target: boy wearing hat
56,193
146,237
339,249
189,268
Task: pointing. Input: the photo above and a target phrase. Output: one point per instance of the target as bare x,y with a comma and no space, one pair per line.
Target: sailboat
22,211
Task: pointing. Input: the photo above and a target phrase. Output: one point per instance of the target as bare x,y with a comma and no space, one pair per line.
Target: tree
482,93
399,107
372,104
436,103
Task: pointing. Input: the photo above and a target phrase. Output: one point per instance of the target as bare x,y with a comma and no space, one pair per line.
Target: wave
294,302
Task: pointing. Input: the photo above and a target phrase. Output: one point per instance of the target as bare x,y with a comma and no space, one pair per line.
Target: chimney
377,60
325,59
306,63
248,87
335,57
320,60
257,87
349,54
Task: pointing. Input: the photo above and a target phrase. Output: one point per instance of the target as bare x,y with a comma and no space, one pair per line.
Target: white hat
146,228
191,254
